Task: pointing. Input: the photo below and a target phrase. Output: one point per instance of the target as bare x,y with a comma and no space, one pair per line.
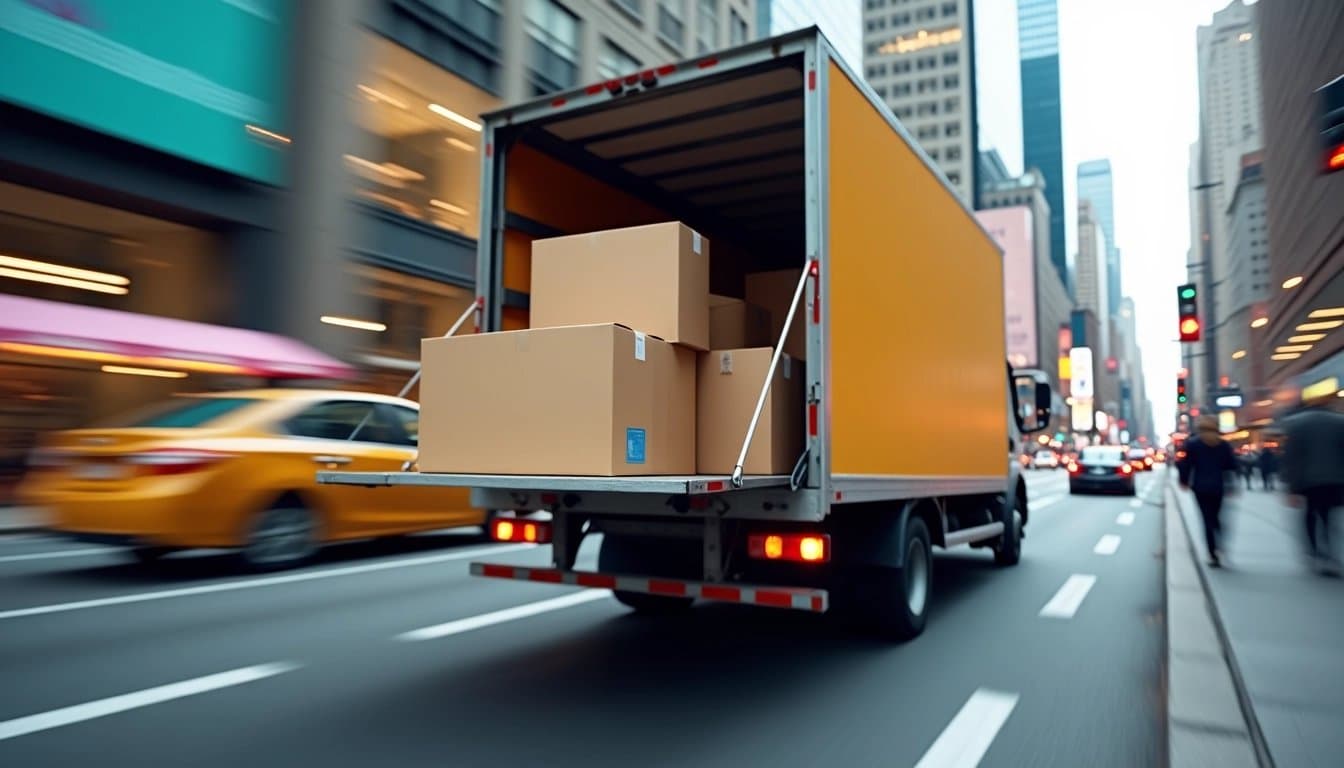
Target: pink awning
54,328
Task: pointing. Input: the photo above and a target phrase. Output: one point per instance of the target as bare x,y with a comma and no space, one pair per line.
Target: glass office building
1042,132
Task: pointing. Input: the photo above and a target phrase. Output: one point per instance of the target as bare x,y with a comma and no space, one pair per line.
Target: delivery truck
891,310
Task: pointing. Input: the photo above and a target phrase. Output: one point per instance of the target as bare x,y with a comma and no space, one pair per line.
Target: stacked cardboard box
605,382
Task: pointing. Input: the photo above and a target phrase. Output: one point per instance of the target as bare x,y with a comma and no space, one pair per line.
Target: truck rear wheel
1009,549
902,602
644,556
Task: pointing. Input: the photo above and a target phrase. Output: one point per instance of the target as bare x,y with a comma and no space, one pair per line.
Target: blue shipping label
634,446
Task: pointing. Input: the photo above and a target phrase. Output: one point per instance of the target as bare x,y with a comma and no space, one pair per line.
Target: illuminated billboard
1011,229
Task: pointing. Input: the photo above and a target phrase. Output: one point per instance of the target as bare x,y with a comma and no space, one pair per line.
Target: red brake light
1126,469
1074,468
526,531
175,461
794,547
1336,160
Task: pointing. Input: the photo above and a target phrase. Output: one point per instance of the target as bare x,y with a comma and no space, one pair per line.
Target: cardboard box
654,278
774,291
735,324
576,400
728,383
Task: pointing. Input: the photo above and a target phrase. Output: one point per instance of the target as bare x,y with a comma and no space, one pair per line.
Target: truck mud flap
796,598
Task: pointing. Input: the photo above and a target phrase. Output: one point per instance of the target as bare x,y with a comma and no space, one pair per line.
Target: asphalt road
1057,662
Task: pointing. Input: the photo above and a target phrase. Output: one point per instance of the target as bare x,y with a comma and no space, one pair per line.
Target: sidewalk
1284,622
19,519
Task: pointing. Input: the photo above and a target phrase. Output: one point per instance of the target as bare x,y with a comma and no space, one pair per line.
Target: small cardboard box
774,291
654,278
577,400
728,383
735,324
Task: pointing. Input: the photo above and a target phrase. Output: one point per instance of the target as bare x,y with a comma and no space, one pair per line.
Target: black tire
280,537
1009,549
640,556
147,554
902,603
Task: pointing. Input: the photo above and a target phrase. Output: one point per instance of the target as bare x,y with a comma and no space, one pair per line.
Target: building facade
1042,121
1304,207
1248,257
1096,185
1092,294
321,182
840,20
1052,302
919,55
1229,127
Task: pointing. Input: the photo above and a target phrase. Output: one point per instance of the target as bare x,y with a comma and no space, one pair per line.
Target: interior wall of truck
726,159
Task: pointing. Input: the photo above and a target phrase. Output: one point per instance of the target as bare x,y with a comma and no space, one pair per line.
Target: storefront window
422,130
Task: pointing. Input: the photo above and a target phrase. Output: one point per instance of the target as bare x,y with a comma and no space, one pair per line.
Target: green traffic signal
1188,292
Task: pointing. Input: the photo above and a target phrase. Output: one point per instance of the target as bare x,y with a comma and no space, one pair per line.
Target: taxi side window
336,420
407,418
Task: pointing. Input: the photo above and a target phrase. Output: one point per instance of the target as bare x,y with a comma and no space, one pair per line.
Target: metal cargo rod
812,270
655,484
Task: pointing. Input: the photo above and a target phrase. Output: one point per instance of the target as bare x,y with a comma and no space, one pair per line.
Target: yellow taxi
238,470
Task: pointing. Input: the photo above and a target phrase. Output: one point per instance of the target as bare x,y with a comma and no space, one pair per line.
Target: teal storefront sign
202,79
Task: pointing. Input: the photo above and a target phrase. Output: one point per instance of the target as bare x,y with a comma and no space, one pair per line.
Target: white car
1045,460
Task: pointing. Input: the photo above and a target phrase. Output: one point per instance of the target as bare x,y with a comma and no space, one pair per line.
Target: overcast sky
1130,93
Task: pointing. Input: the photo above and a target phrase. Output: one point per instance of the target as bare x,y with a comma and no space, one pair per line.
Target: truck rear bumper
797,598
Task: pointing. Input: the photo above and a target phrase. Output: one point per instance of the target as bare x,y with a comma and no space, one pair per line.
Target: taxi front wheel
147,554
280,537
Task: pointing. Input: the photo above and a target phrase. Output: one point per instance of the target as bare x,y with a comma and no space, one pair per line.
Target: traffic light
1188,307
1181,396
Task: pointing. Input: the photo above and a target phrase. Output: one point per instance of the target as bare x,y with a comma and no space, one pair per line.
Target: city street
391,654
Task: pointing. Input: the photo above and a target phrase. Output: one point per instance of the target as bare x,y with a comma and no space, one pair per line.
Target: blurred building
1042,122
1229,127
840,20
308,169
1095,184
1305,208
920,58
1251,287
1092,294
1051,300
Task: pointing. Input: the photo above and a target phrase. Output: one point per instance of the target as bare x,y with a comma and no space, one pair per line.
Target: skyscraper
1042,131
1094,184
920,58
1092,294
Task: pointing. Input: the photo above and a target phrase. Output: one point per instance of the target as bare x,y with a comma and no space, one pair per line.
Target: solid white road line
1107,545
270,581
56,554
80,712
1125,518
508,614
966,739
1066,601
1136,503
1043,503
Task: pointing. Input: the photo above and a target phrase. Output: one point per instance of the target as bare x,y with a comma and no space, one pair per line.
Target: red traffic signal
1189,329
1187,306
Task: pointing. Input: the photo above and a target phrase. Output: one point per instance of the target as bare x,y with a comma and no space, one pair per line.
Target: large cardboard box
728,383
654,278
576,400
735,324
774,291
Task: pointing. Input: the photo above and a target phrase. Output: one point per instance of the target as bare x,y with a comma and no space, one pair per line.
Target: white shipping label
788,367
639,345
695,241
725,362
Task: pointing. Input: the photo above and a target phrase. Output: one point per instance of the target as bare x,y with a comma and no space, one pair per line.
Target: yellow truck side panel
918,383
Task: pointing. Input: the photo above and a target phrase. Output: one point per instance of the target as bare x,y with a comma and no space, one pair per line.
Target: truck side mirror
1044,400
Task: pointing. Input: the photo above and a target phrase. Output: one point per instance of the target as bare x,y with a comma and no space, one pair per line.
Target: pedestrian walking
1204,469
1313,468
1269,466
1246,466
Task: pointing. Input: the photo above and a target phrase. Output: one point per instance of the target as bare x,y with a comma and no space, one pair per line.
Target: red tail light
1125,469
1075,468
175,461
525,531
794,547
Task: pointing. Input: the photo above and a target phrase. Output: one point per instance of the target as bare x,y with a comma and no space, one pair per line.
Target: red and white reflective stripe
798,598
